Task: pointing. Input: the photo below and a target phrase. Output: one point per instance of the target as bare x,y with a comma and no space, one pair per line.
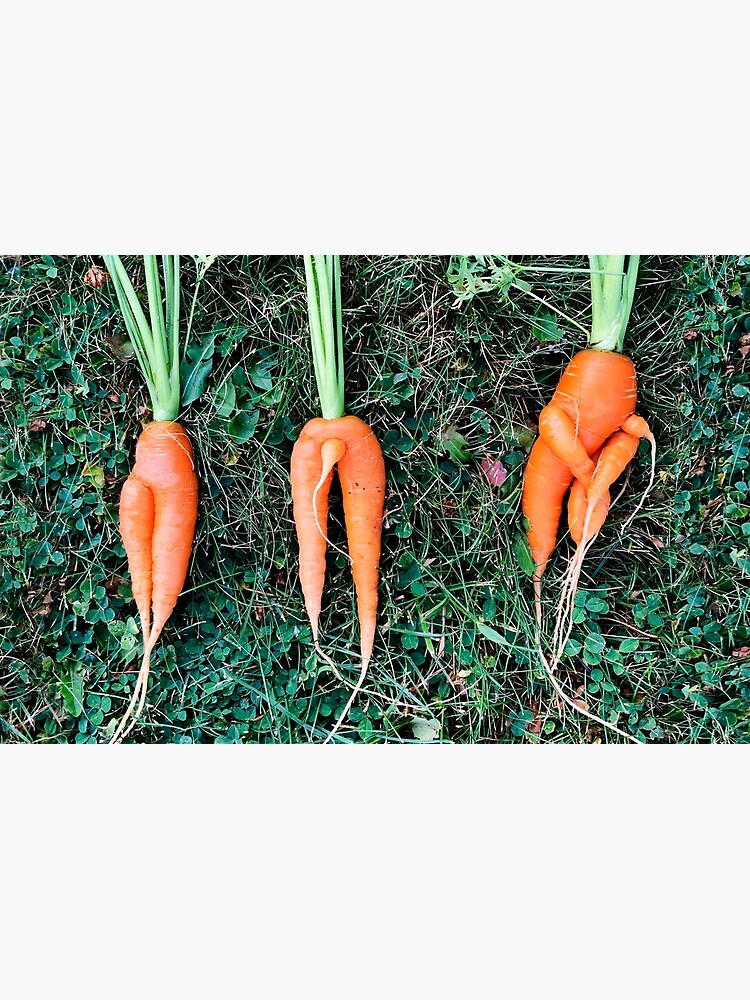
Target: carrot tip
134,709
352,696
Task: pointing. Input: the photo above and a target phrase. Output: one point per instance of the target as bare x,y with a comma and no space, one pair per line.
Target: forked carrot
347,444
159,500
588,433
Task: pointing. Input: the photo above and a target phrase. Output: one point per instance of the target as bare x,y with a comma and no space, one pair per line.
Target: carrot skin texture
158,512
362,473
598,392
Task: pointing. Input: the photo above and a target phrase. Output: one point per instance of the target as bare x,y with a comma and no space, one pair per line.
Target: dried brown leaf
96,276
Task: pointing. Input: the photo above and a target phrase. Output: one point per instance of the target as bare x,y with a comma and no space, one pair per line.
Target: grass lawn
450,362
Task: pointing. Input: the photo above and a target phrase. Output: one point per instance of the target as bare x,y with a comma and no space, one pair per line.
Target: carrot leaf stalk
323,274
612,290
156,343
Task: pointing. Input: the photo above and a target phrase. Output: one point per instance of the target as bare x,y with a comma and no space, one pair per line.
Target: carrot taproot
344,443
159,499
588,434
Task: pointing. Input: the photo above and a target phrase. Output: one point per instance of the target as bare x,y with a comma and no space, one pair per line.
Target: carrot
362,474
546,481
588,434
158,511
159,499
578,507
347,444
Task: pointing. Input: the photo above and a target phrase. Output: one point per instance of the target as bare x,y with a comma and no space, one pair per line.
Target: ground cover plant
451,361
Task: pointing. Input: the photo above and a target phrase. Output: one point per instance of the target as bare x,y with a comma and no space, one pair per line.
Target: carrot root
652,442
331,451
538,601
352,696
132,713
582,711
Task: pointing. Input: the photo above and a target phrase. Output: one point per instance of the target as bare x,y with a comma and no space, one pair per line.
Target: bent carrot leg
362,476
560,435
545,483
311,521
158,511
638,427
614,457
136,531
577,507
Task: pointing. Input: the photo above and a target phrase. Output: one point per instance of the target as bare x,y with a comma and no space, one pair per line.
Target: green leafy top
612,289
323,274
156,343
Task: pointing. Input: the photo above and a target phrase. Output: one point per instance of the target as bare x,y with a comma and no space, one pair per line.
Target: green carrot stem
612,291
156,344
323,278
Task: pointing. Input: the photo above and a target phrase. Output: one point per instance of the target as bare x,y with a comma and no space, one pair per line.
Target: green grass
444,381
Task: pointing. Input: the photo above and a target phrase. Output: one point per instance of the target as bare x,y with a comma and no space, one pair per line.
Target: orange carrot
546,482
588,433
362,473
578,507
159,500
158,511
592,402
347,444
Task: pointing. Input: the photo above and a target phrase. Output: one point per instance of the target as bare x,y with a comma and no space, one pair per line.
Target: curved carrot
578,506
588,433
158,512
578,509
164,466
